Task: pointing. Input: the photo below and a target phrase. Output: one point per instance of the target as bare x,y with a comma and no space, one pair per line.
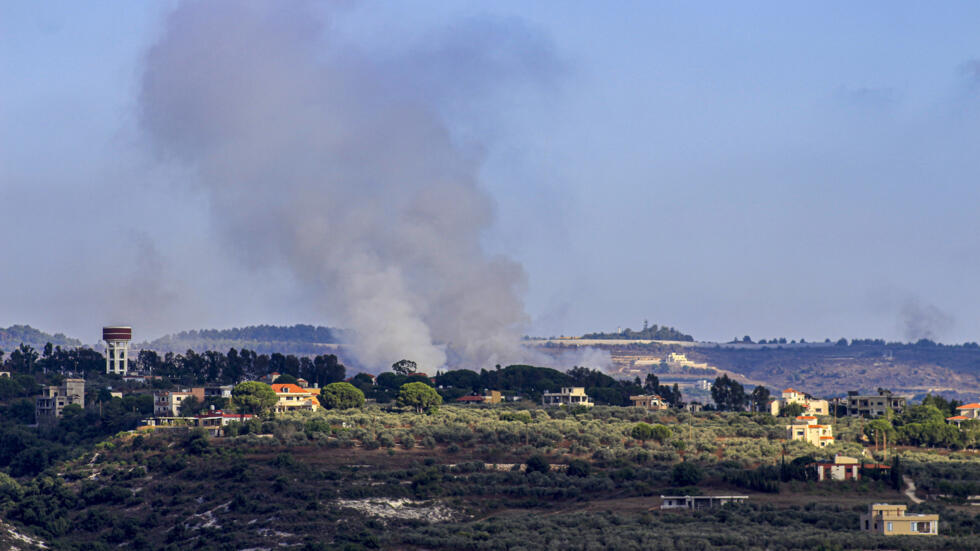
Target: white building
569,396
117,338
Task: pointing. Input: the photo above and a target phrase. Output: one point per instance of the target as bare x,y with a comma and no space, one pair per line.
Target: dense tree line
651,332
214,367
531,382
16,335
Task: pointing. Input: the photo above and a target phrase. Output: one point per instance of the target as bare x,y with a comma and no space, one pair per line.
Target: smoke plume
924,321
323,158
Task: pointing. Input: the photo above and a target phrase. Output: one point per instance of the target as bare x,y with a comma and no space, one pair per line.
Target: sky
763,168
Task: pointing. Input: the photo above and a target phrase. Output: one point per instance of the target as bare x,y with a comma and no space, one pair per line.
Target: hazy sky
763,168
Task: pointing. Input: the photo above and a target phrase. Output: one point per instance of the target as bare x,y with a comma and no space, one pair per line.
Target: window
889,527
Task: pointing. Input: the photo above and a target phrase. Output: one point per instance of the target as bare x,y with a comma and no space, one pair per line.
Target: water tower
117,339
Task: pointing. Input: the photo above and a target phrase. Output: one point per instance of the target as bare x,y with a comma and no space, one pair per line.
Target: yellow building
805,428
569,396
892,520
810,405
296,398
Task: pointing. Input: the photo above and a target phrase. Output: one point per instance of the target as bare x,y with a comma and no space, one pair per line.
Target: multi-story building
295,398
167,404
969,411
214,421
53,399
218,391
810,405
892,520
649,401
569,396
874,406
805,428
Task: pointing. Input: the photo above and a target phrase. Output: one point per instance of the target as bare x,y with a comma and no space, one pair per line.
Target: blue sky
761,168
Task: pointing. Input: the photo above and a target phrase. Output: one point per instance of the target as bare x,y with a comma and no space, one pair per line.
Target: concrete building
216,420
53,399
892,520
841,468
569,396
218,391
117,338
167,404
874,406
810,405
649,401
805,428
699,502
845,468
213,421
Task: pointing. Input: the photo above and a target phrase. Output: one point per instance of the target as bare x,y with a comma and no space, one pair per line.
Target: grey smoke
339,164
924,321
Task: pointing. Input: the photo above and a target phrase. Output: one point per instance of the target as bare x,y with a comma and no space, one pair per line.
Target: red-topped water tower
117,338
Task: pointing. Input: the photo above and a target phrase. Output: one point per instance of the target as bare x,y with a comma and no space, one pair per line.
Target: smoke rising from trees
339,165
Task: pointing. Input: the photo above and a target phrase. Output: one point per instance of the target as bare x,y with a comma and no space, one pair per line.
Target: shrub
536,464
686,474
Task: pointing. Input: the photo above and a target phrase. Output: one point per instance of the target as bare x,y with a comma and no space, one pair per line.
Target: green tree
404,367
253,397
341,396
686,474
728,394
419,396
285,379
190,406
536,464
760,398
792,410
644,431
579,468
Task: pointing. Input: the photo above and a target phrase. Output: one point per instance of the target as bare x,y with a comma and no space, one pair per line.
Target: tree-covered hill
15,335
470,478
649,332
264,339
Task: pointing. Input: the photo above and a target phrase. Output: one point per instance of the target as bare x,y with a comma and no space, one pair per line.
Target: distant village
811,420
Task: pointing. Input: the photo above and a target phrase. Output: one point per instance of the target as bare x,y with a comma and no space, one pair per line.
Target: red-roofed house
470,399
970,411
957,420
804,428
295,398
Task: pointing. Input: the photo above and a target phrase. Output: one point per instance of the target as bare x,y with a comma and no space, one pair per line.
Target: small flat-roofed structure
648,401
699,502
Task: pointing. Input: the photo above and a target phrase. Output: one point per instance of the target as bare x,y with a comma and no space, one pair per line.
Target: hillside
15,335
264,339
822,369
953,370
463,478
